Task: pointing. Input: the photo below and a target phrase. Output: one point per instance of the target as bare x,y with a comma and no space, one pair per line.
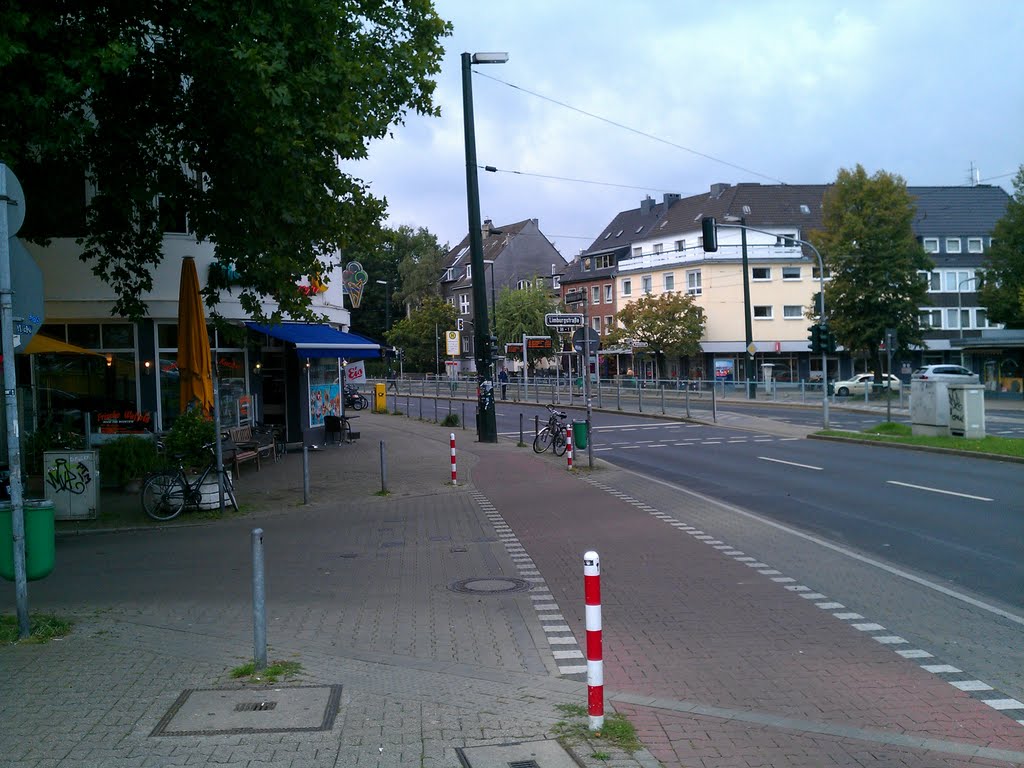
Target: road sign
593,340
556,320
451,343
575,296
751,349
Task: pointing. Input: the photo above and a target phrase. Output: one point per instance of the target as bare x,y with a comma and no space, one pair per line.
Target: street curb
923,448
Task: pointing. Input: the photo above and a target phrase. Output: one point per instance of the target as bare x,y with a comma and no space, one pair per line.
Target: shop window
86,335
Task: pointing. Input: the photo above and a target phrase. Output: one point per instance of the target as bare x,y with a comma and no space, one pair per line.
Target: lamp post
487,428
494,314
748,329
960,310
387,303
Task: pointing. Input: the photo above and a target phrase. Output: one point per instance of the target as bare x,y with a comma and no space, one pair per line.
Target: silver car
955,374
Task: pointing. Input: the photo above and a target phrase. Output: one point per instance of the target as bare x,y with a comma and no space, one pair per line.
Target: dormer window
619,233
804,208
639,229
608,234
449,274
469,271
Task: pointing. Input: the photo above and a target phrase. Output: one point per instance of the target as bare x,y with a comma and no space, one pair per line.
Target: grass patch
451,420
617,732
42,628
273,672
891,433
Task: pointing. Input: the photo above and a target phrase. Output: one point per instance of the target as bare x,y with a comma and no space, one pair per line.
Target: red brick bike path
684,622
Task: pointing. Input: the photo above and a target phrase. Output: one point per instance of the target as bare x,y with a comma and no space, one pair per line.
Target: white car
954,374
856,384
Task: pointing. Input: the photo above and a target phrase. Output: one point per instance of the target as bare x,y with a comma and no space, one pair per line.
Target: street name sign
575,296
556,320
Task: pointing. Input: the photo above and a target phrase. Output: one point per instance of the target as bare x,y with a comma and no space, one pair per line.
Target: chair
332,427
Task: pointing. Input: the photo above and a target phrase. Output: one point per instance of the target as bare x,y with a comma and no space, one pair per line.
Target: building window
469,271
586,264
763,312
465,343
957,281
449,274
645,283
693,283
451,300
975,245
981,318
607,324
792,312
595,323
816,273
785,241
930,318
952,245
556,282
627,287
933,280
761,273
604,261
658,247
951,318
791,273
173,216
680,245
595,294
463,303
608,294
670,282
637,252
931,244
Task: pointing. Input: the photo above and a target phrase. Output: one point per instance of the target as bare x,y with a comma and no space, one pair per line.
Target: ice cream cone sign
354,278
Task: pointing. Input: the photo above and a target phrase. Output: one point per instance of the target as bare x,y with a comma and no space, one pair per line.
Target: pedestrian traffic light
709,229
815,338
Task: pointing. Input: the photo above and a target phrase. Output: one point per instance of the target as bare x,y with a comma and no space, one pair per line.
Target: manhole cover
217,711
490,585
530,754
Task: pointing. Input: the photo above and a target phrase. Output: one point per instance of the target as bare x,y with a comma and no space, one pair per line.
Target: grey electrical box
966,410
71,480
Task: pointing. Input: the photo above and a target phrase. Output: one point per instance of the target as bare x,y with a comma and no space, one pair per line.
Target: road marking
943,590
939,490
790,463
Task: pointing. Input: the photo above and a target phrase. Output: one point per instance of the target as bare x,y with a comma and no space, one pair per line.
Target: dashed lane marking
790,463
939,490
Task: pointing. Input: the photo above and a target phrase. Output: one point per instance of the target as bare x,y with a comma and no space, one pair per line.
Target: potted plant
126,460
189,433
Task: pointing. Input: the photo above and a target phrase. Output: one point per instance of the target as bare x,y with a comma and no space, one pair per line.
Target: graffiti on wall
68,476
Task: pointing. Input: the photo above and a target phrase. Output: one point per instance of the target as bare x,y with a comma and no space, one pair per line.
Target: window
975,245
586,264
930,318
645,283
680,245
792,312
463,303
608,293
607,324
791,273
449,274
658,247
763,312
957,281
469,271
693,285
465,343
637,252
981,318
951,318
761,273
933,280
670,282
608,234
604,261
173,216
952,245
522,285
556,282
619,233
965,318
595,294
931,244
785,241
451,300
595,323
627,287
816,273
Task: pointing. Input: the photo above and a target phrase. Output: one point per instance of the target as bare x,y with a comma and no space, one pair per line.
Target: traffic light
828,340
815,338
460,324
710,232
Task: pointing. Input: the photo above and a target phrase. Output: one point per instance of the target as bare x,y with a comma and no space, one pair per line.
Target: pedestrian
503,378
392,383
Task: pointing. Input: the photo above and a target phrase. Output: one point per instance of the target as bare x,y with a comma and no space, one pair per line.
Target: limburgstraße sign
558,320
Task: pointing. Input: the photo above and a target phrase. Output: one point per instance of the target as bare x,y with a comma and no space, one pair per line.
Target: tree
868,246
522,312
417,335
239,115
669,325
420,258
1002,286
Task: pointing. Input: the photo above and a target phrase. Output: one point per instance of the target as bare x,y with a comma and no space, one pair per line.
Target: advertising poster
724,370
355,373
324,391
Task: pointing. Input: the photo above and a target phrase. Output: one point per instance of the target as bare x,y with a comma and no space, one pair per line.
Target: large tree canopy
668,325
238,114
1002,289
421,336
868,246
522,312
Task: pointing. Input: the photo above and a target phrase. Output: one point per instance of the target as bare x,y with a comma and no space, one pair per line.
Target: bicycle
167,492
553,433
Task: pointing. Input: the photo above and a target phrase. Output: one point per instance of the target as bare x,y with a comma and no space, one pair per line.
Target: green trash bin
39,539
579,435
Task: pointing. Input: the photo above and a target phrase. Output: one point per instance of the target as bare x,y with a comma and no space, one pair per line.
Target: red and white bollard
595,655
568,445
451,439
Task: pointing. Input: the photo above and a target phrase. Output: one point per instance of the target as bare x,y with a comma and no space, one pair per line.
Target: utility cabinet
71,480
966,410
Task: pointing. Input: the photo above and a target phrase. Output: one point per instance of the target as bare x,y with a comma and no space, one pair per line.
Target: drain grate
524,764
255,706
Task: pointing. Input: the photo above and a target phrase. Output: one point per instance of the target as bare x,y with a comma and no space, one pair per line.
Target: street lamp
494,314
487,427
960,307
387,303
747,327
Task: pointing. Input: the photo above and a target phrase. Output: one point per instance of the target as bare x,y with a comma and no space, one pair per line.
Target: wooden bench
243,446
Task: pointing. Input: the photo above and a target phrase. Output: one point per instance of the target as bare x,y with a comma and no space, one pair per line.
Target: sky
683,94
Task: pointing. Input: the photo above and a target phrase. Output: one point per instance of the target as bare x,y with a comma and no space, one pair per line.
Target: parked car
856,384
955,374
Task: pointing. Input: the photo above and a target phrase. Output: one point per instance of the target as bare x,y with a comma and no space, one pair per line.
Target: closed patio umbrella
194,365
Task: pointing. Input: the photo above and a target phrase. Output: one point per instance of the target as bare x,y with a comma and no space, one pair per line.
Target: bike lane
746,673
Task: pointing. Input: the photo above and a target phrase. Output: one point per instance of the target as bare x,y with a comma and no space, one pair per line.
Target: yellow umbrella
194,365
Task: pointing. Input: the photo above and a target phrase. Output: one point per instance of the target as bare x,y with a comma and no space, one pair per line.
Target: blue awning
317,340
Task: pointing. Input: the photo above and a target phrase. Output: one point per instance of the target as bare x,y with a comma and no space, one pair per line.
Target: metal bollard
305,474
383,470
520,429
463,414
663,401
259,602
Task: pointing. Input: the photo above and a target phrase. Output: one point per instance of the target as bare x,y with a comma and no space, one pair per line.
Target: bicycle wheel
163,496
560,442
542,441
